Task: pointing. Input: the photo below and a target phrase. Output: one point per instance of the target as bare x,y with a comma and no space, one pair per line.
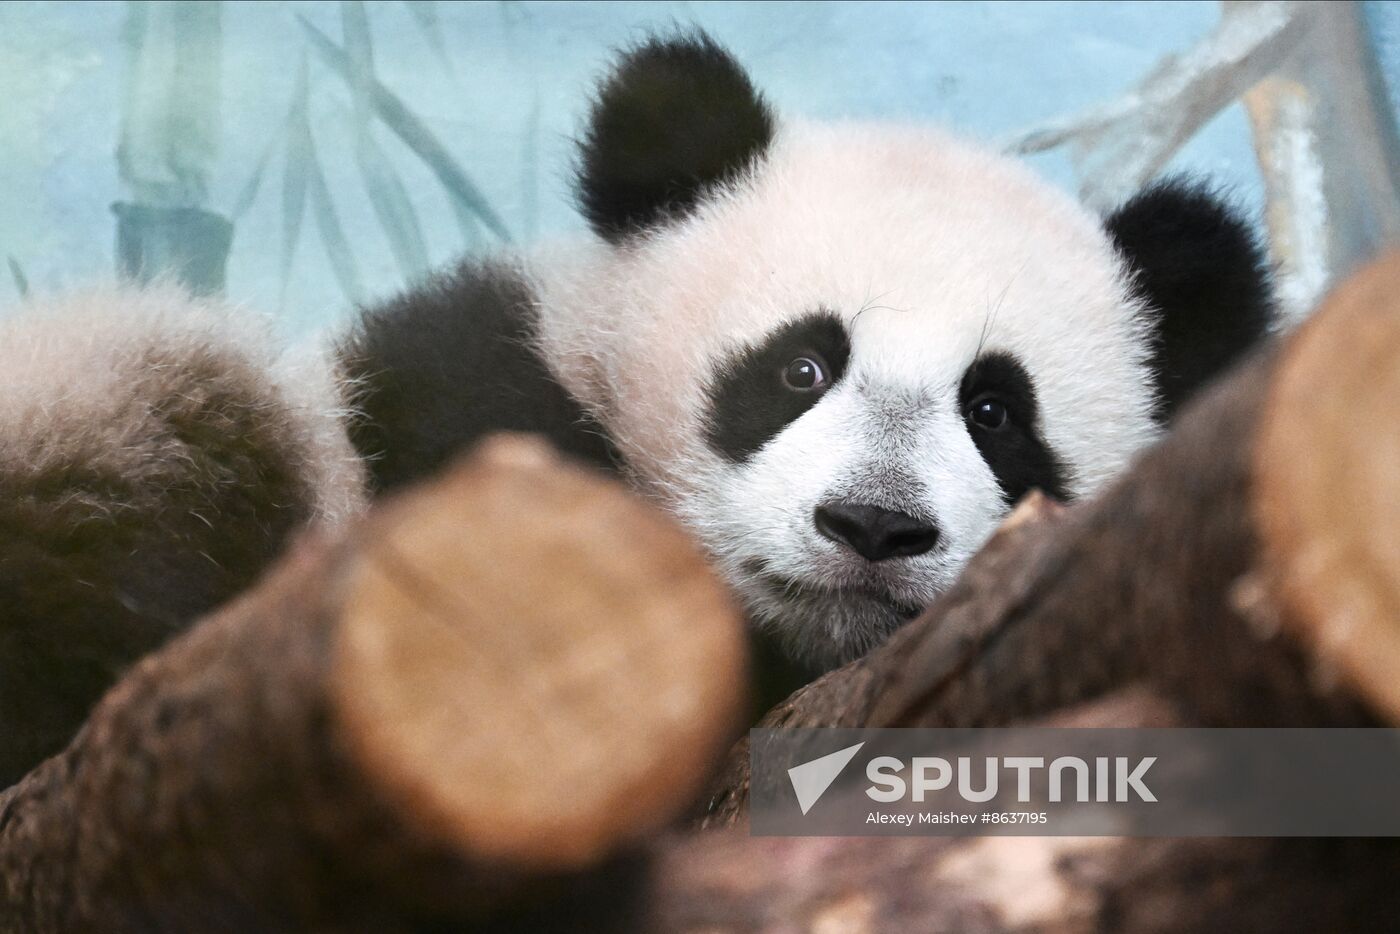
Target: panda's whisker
993,309
868,305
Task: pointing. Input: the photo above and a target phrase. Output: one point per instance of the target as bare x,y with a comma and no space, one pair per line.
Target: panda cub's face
838,353
844,368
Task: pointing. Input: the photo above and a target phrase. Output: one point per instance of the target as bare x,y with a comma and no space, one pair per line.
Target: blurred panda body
156,452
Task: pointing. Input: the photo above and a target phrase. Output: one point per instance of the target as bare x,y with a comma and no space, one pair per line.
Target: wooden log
491,684
1248,566
1327,468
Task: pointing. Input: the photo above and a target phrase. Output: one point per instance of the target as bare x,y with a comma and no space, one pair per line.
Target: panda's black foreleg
436,369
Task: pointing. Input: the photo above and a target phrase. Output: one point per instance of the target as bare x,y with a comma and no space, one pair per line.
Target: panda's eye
805,374
988,412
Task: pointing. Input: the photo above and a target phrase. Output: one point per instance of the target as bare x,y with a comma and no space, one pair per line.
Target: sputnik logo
810,780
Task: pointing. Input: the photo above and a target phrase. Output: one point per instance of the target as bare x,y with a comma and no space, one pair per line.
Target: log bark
422,720
1247,566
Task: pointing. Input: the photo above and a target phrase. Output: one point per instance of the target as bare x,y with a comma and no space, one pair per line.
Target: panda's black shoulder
437,368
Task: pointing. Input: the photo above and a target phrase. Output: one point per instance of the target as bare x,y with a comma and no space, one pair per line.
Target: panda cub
838,353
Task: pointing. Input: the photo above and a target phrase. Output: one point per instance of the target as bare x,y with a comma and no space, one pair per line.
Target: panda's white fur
932,250
88,374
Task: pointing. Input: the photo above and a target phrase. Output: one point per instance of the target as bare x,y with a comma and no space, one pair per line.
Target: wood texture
1328,501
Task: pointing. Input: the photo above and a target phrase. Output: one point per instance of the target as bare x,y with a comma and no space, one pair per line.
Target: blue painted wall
510,98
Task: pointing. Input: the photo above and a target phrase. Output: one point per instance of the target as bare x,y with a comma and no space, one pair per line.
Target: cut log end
1325,466
487,619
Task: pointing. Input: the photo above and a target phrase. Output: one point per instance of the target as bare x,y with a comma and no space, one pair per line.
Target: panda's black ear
1198,265
675,117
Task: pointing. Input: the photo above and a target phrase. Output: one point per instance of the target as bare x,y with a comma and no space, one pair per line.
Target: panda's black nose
874,533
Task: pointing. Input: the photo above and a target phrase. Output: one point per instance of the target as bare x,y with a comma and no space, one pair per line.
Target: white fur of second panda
932,251
84,383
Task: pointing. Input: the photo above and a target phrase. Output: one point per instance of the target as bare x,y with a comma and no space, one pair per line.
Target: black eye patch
999,407
751,399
